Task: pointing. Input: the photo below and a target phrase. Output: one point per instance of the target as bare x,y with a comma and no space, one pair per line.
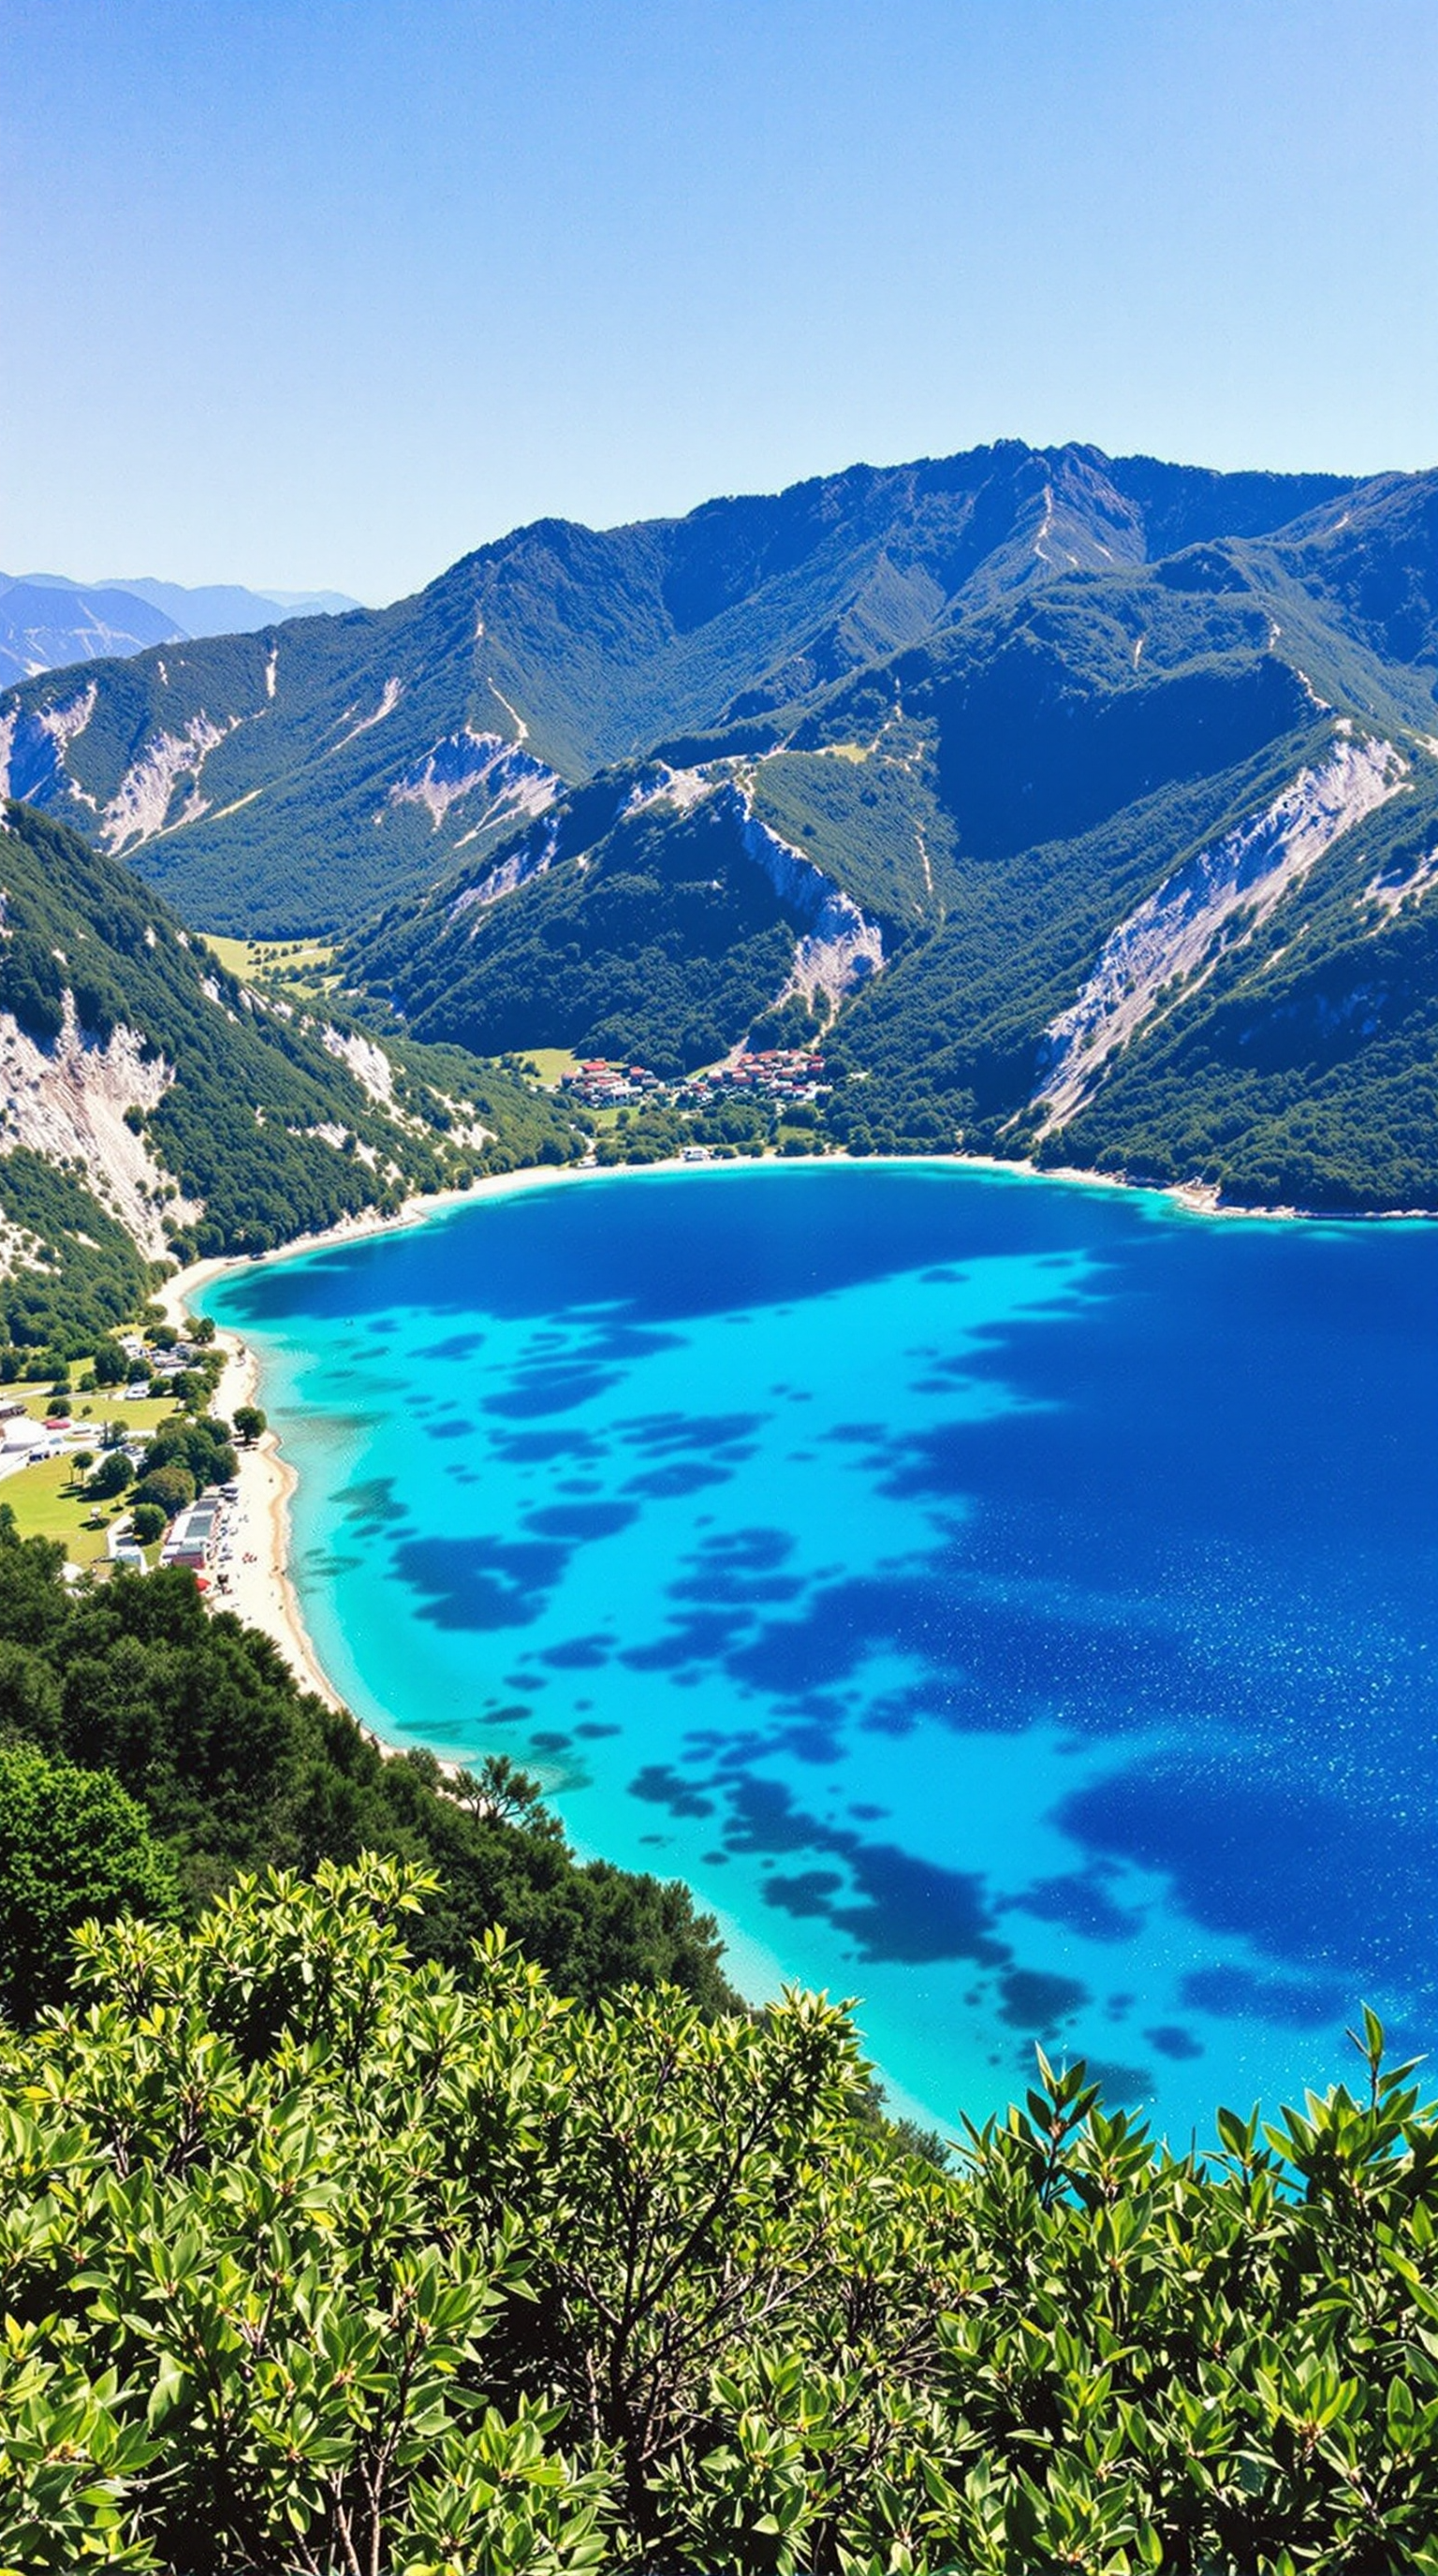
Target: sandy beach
257,1585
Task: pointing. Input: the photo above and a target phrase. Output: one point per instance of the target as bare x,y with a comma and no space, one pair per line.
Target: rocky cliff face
1210,907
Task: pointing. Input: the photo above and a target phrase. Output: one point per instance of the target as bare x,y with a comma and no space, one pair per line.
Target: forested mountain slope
152,1107
1133,867
298,778
1089,800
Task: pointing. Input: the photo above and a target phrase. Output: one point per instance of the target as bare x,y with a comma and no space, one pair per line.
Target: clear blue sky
327,292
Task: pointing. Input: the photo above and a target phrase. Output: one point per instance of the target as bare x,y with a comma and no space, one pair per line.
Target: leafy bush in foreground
315,2261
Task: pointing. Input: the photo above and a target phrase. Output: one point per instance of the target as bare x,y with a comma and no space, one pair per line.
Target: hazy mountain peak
48,621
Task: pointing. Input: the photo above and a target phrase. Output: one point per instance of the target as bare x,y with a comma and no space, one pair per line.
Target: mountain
1131,868
47,622
1087,803
296,781
152,1107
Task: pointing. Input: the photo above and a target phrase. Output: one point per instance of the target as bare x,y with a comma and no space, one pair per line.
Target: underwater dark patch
480,1583
581,1521
1173,2041
1038,2000
578,1655
662,1787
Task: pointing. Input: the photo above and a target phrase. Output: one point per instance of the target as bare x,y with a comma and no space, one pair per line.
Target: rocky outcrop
33,744
466,763
70,1101
1223,894
839,947
368,1063
141,804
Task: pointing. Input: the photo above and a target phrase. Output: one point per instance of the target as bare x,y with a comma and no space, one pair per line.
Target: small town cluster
774,1073
197,1536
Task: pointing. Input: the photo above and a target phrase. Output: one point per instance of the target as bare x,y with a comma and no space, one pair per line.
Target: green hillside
658,939
295,780
155,1108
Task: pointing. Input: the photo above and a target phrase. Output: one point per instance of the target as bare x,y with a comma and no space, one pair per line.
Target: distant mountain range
1090,803
47,621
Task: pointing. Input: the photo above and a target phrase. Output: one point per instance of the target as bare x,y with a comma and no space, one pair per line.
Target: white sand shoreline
260,1588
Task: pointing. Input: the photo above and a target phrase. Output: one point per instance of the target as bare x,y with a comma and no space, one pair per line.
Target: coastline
261,1590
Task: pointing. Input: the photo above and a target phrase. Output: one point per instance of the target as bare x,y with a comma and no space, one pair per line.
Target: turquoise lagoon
1008,1603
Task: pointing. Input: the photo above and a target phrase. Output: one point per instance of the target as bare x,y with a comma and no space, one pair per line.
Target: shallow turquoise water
1008,1603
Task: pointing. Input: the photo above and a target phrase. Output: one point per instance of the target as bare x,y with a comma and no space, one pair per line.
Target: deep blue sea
1008,1603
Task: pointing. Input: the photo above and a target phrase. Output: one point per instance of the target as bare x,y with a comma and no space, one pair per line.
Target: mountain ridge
949,753
573,646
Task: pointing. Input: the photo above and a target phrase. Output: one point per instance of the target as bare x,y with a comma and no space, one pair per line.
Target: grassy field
43,1497
94,1406
46,1505
549,1063
303,962
233,954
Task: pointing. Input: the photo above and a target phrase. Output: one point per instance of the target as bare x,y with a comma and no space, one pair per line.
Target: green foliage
661,948
72,1845
198,1448
147,1520
201,1722
85,1275
251,1422
317,2259
111,1477
168,1488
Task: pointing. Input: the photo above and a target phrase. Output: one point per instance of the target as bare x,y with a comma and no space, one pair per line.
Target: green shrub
72,1845
317,2260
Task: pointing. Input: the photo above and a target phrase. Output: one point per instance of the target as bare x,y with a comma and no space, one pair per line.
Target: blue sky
325,293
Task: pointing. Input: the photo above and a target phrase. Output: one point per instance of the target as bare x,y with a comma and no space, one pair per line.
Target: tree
82,1461
110,1478
499,1788
251,1422
195,1443
72,1845
111,1365
169,1488
147,1520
